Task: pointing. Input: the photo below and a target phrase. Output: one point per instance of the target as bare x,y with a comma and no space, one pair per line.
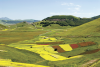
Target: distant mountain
5,18
7,21
31,20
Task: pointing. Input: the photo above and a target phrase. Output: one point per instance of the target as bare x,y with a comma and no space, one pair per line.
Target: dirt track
89,63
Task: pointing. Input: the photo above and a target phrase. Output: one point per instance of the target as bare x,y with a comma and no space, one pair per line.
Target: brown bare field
74,46
90,52
86,44
59,49
8,37
42,44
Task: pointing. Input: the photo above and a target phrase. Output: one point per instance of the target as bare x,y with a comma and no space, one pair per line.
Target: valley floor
28,48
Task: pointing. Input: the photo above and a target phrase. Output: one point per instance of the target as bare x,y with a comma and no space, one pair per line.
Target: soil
86,44
59,49
90,52
74,46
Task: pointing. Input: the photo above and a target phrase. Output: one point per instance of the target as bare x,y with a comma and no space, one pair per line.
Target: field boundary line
92,65
89,63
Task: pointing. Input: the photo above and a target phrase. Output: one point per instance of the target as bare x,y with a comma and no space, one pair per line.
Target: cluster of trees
61,23
22,24
95,17
67,22
44,24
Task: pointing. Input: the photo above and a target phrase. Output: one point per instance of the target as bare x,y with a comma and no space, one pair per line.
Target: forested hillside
66,20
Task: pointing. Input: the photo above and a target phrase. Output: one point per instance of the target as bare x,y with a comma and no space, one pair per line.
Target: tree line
66,23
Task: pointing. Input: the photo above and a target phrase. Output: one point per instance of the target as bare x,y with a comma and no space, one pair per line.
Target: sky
40,9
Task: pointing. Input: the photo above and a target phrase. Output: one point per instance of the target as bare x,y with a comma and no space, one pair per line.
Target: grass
72,53
4,62
22,56
8,37
90,28
40,49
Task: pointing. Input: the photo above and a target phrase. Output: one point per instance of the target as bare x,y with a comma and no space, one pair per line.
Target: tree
71,23
24,21
62,23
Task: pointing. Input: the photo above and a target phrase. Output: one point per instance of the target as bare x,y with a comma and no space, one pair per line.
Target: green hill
91,28
2,27
65,20
3,23
62,17
55,26
24,26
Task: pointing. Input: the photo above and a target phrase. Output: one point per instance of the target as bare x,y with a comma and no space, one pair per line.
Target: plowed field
86,44
59,49
90,52
74,46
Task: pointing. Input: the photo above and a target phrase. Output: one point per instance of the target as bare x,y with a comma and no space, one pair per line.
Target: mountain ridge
7,21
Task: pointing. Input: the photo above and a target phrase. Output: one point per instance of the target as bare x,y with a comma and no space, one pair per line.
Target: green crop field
8,37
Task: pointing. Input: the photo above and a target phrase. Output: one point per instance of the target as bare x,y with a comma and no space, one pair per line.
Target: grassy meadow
8,37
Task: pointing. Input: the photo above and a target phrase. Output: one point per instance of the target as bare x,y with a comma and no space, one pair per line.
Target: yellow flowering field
8,62
2,44
66,47
52,38
55,57
45,51
5,30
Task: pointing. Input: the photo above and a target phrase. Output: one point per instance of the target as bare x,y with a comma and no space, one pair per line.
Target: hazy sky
40,9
